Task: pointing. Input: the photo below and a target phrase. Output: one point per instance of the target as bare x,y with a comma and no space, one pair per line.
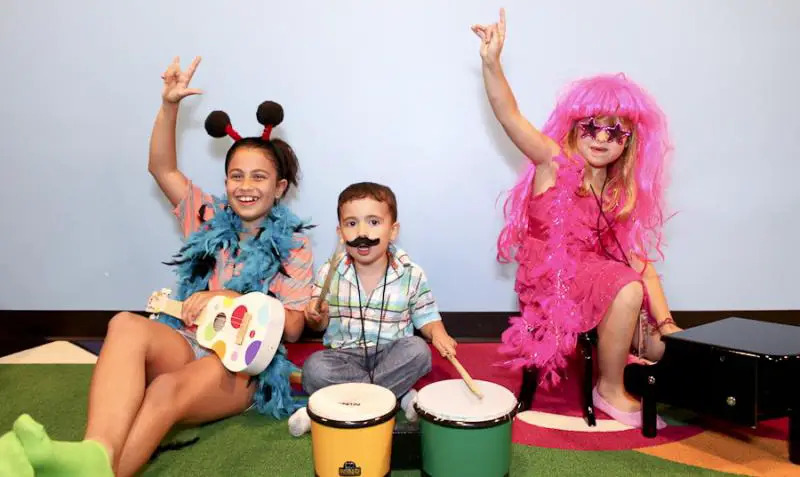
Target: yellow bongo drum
351,430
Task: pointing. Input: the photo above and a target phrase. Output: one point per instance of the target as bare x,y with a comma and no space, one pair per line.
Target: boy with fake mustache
378,296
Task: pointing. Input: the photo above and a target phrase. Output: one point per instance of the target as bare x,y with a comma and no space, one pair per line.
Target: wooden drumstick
326,286
465,376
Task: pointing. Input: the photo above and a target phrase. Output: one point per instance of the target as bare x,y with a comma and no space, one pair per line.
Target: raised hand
176,82
492,38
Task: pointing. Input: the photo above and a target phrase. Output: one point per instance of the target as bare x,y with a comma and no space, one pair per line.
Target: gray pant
398,366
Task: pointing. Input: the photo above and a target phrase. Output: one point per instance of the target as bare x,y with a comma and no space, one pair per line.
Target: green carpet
251,444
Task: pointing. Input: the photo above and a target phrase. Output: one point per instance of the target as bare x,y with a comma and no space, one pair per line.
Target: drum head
353,403
451,400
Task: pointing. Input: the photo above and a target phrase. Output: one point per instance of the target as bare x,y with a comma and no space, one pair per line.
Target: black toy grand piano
739,370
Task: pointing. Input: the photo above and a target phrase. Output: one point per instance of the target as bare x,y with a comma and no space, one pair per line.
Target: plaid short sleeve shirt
408,303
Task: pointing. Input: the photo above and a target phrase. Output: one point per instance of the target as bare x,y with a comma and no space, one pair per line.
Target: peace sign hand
492,38
176,82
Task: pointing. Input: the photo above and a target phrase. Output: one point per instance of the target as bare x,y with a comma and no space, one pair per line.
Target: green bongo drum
463,435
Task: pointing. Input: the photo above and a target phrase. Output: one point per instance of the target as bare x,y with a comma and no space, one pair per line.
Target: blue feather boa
260,257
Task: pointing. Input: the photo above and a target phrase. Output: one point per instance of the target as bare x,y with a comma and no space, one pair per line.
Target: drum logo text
350,403
349,469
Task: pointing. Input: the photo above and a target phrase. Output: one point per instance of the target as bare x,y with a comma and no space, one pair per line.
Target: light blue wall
390,92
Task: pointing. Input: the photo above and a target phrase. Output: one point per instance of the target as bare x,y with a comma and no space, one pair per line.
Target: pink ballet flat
633,419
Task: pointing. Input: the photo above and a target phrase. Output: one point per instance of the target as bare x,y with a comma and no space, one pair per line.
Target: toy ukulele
244,332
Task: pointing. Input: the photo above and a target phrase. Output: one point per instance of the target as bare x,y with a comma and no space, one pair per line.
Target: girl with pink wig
584,224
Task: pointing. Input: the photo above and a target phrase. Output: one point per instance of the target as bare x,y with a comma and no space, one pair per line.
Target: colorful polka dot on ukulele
252,333
219,348
252,351
238,314
208,332
263,316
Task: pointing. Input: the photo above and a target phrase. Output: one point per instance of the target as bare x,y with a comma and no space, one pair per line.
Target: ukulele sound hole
219,322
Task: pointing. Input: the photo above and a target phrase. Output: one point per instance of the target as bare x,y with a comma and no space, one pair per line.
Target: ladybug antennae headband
269,114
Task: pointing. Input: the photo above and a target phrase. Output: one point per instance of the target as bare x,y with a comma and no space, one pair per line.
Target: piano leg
530,380
588,371
794,434
649,406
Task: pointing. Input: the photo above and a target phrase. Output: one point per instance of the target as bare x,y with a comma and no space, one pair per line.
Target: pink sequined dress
567,277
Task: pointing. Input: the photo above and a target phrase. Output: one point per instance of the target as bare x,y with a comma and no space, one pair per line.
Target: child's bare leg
135,348
615,334
135,351
653,345
200,391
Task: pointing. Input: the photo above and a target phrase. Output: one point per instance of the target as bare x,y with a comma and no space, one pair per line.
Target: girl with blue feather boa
151,374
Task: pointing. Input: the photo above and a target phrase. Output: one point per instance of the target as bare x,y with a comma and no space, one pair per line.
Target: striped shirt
293,291
409,303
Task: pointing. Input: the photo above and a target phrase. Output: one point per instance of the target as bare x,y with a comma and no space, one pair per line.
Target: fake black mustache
363,242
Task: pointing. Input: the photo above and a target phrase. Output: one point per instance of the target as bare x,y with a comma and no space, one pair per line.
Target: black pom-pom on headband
269,115
218,124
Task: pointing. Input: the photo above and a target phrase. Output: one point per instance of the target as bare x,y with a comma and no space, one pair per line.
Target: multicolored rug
551,439
556,422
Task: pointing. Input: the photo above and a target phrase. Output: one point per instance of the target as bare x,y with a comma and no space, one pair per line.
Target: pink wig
606,95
